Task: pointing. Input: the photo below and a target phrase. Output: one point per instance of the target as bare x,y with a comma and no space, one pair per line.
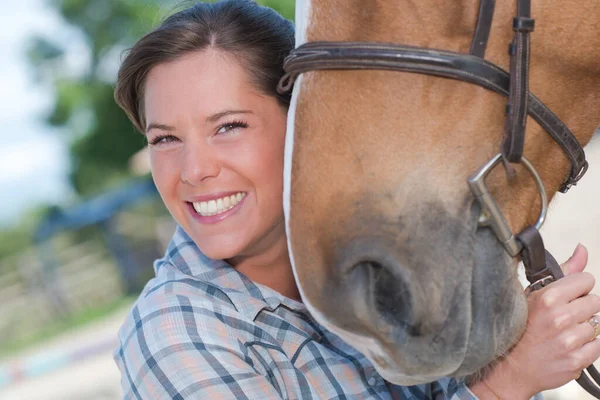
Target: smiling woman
203,93
223,317
216,153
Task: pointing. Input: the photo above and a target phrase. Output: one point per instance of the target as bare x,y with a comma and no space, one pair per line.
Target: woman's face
216,152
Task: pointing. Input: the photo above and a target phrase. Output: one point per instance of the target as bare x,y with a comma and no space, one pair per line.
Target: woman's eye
231,126
162,139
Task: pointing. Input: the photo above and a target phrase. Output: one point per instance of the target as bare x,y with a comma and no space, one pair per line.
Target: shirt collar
249,298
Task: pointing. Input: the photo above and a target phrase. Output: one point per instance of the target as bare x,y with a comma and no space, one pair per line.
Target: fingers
584,356
567,289
577,262
582,308
594,323
577,336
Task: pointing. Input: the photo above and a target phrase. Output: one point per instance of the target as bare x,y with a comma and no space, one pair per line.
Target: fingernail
577,249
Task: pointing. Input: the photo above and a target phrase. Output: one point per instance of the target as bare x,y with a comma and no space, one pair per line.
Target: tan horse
382,226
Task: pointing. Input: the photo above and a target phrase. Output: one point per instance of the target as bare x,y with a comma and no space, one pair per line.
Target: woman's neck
270,266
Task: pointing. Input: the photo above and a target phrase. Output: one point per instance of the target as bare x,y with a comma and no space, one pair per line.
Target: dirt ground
93,377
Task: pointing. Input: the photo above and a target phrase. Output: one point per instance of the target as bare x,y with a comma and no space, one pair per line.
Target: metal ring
491,215
594,323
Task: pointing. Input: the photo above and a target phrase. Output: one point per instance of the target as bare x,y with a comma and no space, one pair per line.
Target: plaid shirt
202,330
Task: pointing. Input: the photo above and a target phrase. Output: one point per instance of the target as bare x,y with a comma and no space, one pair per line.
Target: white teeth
217,206
212,206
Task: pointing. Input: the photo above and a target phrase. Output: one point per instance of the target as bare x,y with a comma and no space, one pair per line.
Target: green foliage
14,240
102,138
283,7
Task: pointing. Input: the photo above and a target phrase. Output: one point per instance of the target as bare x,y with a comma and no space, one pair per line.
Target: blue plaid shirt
202,330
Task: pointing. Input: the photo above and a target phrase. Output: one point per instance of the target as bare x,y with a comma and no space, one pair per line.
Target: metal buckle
491,215
540,283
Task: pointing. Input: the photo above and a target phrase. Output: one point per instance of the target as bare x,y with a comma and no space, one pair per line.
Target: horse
390,245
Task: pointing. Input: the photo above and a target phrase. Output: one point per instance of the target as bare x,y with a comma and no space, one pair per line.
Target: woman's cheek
165,172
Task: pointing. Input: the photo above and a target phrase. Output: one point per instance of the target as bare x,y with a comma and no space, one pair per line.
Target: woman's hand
558,341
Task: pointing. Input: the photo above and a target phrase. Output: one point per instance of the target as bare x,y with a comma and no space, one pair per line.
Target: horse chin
417,326
499,310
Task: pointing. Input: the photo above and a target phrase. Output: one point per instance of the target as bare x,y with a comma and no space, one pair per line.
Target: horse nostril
391,296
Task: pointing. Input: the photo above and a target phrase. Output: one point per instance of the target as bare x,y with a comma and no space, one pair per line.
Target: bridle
540,266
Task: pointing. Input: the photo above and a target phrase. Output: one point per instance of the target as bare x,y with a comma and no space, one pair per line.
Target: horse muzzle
418,314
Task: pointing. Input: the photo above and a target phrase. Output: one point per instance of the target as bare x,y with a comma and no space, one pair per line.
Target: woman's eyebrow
219,115
162,127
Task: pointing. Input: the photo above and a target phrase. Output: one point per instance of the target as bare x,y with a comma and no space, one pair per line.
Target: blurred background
80,219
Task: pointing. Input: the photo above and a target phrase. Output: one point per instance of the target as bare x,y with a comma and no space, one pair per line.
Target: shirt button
372,381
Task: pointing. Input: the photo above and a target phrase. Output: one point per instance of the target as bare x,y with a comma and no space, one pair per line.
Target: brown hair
258,37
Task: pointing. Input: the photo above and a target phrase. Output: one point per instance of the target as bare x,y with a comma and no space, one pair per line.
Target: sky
34,159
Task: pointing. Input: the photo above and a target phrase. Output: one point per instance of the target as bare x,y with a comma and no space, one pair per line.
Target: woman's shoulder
170,285
172,303
182,330
171,294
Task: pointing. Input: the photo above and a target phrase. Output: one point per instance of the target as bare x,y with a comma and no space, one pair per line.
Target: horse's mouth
499,311
418,317
457,343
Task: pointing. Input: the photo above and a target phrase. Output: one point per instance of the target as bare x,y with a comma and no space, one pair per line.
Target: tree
102,138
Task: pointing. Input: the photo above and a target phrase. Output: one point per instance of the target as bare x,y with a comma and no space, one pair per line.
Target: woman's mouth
215,210
218,206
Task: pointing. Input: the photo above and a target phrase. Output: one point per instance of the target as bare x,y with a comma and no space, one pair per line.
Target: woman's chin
219,251
251,238
216,246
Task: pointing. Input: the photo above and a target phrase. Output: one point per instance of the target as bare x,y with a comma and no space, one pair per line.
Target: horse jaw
365,344
303,9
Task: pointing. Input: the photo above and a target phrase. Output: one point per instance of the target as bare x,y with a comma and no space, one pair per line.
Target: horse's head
382,226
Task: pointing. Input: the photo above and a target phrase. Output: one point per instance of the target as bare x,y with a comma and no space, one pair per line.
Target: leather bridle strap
483,27
541,268
318,56
516,110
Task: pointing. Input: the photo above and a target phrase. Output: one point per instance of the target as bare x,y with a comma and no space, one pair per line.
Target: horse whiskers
484,372
481,374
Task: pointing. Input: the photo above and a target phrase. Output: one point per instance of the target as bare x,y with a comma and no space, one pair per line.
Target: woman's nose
198,165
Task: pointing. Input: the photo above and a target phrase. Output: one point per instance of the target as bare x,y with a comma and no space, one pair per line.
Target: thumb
577,262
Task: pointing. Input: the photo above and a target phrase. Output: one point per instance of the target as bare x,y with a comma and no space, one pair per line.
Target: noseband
540,266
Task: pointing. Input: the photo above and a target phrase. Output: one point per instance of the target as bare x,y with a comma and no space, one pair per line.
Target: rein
540,266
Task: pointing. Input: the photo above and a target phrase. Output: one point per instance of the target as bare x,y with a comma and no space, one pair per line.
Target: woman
223,317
